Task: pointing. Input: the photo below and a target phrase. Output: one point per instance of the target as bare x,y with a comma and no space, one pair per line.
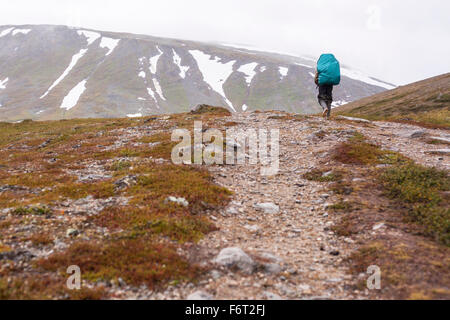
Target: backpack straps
316,78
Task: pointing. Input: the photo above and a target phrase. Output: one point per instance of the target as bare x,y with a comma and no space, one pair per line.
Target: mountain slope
426,102
53,72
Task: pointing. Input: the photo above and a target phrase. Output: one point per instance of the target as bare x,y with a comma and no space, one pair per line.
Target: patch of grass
177,224
163,150
211,109
5,224
137,261
37,211
98,190
181,229
45,178
41,239
421,189
342,187
424,103
322,176
4,248
342,206
146,233
42,287
345,228
366,256
359,152
193,184
120,165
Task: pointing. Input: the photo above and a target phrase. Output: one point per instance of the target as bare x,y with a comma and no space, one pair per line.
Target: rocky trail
277,228
275,238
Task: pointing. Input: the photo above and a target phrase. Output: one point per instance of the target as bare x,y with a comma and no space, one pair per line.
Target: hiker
328,74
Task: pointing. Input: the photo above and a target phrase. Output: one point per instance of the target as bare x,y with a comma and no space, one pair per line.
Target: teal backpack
329,70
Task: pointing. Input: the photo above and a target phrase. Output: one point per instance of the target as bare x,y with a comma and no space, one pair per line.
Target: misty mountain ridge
55,72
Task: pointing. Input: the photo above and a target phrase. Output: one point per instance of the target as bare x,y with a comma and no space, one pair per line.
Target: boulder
235,257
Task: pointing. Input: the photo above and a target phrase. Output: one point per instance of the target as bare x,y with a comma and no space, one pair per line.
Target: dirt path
306,256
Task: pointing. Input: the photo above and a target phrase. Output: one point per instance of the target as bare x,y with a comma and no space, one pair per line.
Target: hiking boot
324,113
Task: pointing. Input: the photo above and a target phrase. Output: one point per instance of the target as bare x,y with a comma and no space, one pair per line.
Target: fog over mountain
54,72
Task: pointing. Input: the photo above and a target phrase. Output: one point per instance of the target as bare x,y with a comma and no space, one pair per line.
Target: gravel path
306,257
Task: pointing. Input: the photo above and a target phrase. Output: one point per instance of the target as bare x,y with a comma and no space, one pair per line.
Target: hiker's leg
323,104
329,109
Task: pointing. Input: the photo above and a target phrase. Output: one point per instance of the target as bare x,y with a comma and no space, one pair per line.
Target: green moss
82,190
42,287
422,189
358,151
121,165
37,211
319,175
341,206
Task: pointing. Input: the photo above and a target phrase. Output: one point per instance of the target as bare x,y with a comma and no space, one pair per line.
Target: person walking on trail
328,74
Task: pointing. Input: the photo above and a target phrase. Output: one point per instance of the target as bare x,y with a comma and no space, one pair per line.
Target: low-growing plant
137,261
37,211
357,151
421,189
322,176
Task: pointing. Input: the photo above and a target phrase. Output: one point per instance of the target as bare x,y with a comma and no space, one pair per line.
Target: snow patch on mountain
177,61
22,31
6,32
109,43
249,71
283,71
3,83
90,36
357,75
244,107
154,61
214,72
304,65
134,115
151,93
142,74
353,74
72,64
338,103
158,88
73,96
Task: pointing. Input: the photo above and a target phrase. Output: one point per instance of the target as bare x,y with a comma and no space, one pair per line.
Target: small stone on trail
267,207
199,295
72,232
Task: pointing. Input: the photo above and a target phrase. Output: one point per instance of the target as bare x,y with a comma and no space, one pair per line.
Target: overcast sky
399,41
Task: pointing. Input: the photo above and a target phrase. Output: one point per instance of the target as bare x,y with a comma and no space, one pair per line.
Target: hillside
55,72
103,194
425,102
